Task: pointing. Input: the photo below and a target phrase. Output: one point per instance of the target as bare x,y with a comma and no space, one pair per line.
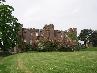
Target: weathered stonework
32,36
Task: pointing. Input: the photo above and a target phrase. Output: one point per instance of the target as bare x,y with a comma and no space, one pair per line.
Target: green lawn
50,62
90,49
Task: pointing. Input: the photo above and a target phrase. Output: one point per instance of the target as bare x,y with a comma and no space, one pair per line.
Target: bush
52,46
28,47
65,48
5,53
47,46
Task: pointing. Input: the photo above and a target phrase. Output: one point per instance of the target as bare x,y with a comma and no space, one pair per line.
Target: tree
85,35
2,1
93,38
72,36
9,27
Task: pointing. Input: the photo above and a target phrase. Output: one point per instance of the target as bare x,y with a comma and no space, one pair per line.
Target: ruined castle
32,36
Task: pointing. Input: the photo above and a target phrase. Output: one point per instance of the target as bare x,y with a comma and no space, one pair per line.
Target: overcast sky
62,13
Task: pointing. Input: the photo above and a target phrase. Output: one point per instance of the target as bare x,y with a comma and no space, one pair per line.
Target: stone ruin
32,36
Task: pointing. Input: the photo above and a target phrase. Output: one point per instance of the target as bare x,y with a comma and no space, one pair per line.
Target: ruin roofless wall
32,36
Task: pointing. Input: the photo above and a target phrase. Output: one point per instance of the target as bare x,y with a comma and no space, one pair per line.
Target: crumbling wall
32,36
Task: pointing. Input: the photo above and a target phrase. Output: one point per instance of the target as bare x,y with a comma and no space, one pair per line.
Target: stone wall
32,36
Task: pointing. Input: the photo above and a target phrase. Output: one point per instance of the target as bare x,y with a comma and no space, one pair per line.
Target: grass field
90,49
50,62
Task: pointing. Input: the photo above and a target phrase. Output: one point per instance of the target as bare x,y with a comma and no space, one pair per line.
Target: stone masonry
32,36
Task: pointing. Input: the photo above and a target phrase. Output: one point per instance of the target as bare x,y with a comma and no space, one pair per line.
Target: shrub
65,48
47,46
28,47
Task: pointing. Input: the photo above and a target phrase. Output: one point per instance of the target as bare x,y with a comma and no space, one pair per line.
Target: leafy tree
9,27
93,38
74,41
85,35
72,35
2,1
